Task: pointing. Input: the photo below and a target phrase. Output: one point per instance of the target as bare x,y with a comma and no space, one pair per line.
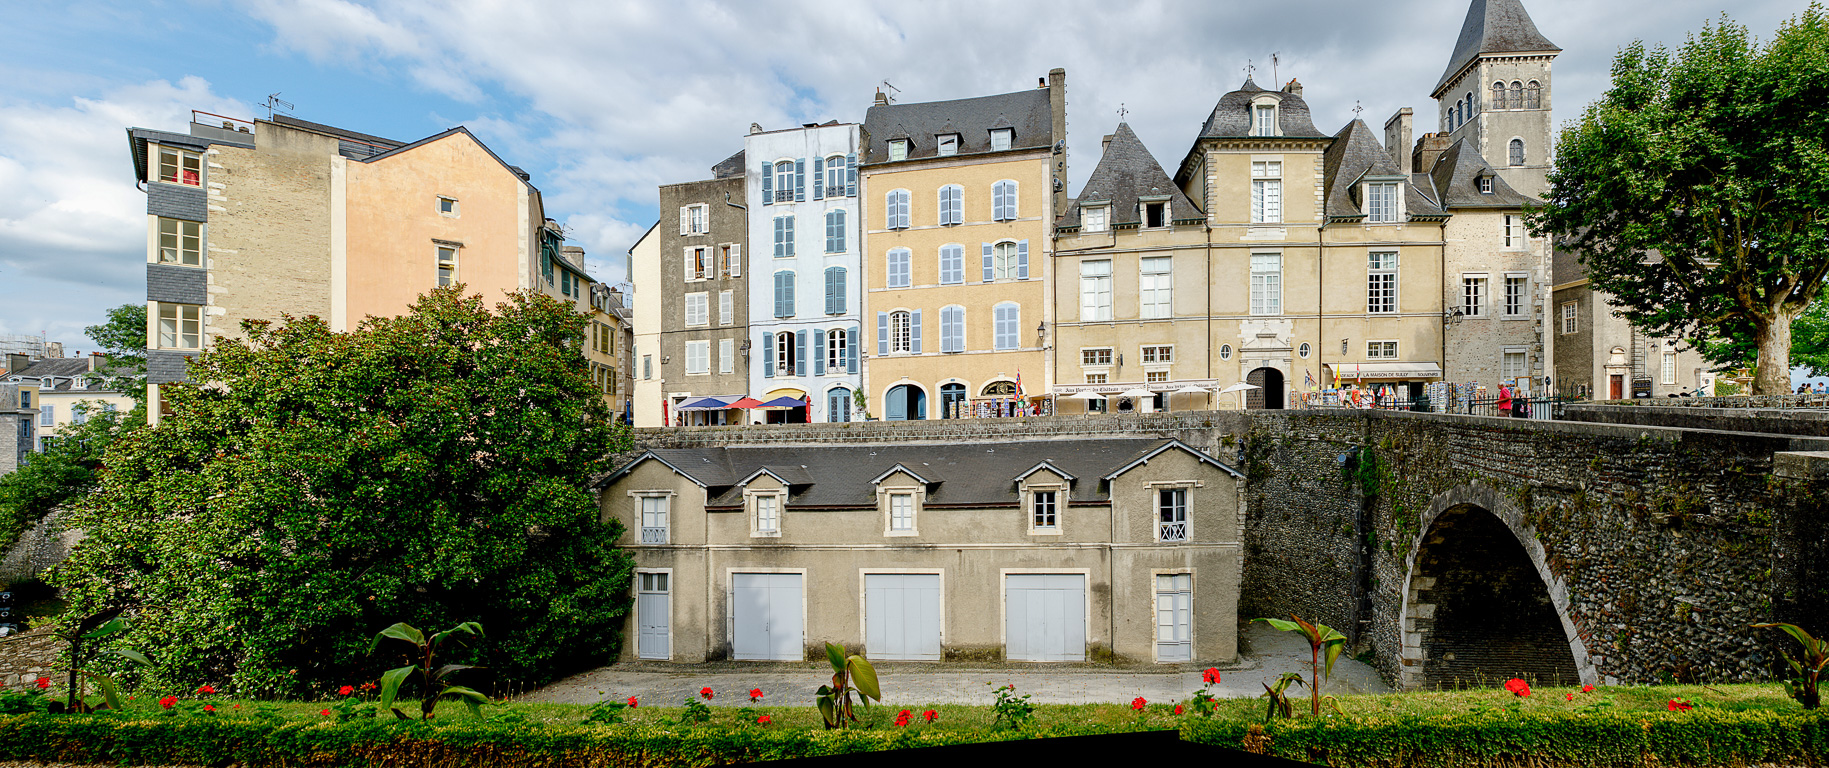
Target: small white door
653,609
902,616
766,616
1045,617
1174,617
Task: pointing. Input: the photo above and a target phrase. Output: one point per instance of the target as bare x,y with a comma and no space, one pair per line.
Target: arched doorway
1478,611
1269,394
952,401
906,402
838,404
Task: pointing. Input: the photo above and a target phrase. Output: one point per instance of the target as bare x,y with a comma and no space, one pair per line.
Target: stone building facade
702,296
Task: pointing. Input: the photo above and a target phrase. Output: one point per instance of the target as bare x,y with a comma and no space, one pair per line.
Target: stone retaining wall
25,658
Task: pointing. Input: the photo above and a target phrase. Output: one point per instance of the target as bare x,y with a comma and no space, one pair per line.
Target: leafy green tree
1694,190
123,340
1736,347
66,469
321,486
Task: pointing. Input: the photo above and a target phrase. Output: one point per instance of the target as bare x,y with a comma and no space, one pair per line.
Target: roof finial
1357,109
1249,69
1122,112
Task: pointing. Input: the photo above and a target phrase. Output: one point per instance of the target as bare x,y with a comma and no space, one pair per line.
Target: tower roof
1126,173
1231,117
1494,26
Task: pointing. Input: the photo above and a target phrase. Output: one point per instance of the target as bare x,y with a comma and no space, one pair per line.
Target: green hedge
1702,737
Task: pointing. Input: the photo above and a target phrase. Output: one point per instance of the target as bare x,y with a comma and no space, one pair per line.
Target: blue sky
602,101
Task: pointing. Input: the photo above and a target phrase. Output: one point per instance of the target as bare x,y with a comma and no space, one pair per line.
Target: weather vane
1122,112
1357,109
1249,69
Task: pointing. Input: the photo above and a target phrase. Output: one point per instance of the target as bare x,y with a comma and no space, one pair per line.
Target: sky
603,101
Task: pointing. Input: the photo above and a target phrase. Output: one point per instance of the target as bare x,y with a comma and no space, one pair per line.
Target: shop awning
1382,371
705,404
784,402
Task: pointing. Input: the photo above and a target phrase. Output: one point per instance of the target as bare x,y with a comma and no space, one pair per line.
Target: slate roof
1455,181
1026,111
1125,173
959,474
331,130
729,167
1355,154
1494,26
1231,117
62,371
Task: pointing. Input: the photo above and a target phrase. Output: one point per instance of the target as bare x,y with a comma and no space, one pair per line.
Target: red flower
1571,697
209,707
901,718
705,693
1518,687
44,682
368,686
1679,705
1177,709
325,713
930,715
237,706
755,694
631,702
763,720
346,690
1587,689
207,688
1210,676
1137,703
168,702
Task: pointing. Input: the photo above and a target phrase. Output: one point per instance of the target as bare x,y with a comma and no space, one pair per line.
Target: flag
1308,380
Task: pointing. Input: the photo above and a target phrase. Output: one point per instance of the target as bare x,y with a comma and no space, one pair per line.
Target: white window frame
1523,304
901,522
1381,282
698,309
186,242
447,207
898,149
1143,211
653,534
1570,313
1095,290
784,181
838,351
1383,202
1095,357
1006,262
1266,191
1055,495
1667,367
1157,593
900,335
182,316
1381,349
1096,218
1485,185
766,510
1098,377
445,259
727,354
1156,354
1264,119
1186,491
1475,292
835,176
1515,236
1266,283
1156,287
698,357
947,144
786,361
178,166
1509,371
1002,139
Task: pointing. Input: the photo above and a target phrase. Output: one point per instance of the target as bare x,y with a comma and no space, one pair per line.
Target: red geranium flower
901,718
368,686
346,690
207,688
168,701
763,720
44,682
1587,689
1210,676
1679,705
930,715
631,702
755,694
1518,687
705,693
1177,709
325,713
1137,703
1571,697
209,707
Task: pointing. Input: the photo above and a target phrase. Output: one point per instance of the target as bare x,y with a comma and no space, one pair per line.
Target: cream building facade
645,273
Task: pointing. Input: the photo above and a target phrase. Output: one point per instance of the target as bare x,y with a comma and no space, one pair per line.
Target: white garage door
766,610
902,616
1045,617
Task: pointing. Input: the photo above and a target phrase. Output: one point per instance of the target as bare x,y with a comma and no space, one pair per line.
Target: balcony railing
654,535
1173,531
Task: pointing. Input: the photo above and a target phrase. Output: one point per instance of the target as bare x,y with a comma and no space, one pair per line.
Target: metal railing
653,535
1541,408
1172,531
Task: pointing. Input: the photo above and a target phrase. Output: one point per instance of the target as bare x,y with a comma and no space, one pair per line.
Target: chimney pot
880,98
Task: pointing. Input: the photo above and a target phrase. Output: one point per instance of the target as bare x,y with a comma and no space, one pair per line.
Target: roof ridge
1494,26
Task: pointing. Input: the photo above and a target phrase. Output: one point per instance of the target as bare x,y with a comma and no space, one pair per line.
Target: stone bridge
1466,550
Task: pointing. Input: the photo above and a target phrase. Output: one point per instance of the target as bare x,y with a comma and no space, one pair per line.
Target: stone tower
1495,93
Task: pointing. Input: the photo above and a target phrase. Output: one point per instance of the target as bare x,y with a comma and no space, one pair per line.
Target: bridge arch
1479,604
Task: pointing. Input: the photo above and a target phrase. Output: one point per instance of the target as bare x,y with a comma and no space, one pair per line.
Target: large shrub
65,470
319,486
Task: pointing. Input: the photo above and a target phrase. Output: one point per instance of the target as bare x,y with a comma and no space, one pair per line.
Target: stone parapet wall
1793,418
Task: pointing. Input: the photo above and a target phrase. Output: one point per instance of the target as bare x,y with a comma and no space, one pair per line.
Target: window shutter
1022,259
851,178
778,253
768,355
800,353
819,178
686,258
684,210
800,180
788,283
914,332
829,272
889,211
838,230
838,292
882,333
852,335
780,295
736,259
901,209
1009,200
790,235
768,183
819,346
989,272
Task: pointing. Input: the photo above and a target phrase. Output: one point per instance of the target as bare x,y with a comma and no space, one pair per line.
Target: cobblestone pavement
1264,655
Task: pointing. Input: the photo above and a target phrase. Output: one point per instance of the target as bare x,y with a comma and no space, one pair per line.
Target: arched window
835,176
1533,96
1517,152
1498,95
838,404
1003,200
838,350
952,205
1007,325
1006,261
897,272
1473,104
999,389
784,181
895,209
1517,96
899,331
952,328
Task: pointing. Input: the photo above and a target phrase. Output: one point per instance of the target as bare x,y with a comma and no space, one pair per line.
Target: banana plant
1808,671
419,660
1322,639
96,627
849,673
1280,706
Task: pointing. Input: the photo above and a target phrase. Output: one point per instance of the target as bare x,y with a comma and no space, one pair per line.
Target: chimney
96,361
1057,105
881,100
1293,87
1429,148
17,362
1397,136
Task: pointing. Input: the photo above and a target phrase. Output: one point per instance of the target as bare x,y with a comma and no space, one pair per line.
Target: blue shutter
800,180
768,183
988,271
838,229
778,239
852,337
1022,259
819,347
829,271
768,355
914,332
889,211
819,178
882,333
800,353
851,178
790,234
784,306
838,293
789,282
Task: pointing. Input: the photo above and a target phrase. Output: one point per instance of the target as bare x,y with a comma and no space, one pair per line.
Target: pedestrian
1504,403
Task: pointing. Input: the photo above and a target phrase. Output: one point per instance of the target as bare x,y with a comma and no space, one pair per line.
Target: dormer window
898,149
1095,219
1155,214
1002,138
766,514
1381,202
948,143
1485,185
1263,122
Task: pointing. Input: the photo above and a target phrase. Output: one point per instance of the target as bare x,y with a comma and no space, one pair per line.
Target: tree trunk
1774,374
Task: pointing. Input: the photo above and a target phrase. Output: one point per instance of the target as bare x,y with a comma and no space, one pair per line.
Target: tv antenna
275,102
892,91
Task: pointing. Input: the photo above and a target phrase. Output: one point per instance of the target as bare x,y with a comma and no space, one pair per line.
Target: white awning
1381,371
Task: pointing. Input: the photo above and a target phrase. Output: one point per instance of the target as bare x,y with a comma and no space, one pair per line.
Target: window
785,348
727,354
1381,283
1174,617
1668,371
1473,295
952,264
1007,325
698,358
179,166
1517,152
1098,356
1096,378
784,294
180,326
1514,231
1225,351
180,242
1042,511
1095,219
1304,351
899,333
837,350
898,273
1517,288
1266,284
654,519
1172,514
901,512
835,290
835,175
1003,200
768,514
1156,284
1381,350
898,149
1095,290
698,263
47,416
1498,95
1155,377
1265,124
1511,365
1266,192
727,312
1568,317
952,205
835,231
1006,263
25,398
697,309
732,256
447,266
948,143
784,237
1516,98
1002,138
952,328
784,181
1155,215
694,219
1533,99
647,367
952,401
1485,185
1381,202
1159,353
895,208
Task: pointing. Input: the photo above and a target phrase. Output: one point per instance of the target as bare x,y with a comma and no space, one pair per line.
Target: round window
1225,351
1303,350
